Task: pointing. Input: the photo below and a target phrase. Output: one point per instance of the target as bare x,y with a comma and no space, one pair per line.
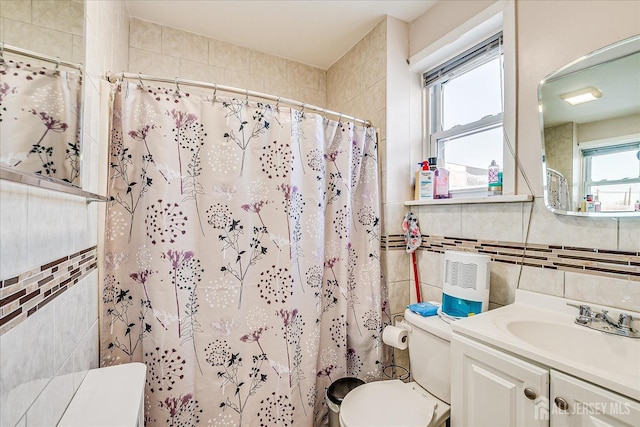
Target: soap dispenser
424,182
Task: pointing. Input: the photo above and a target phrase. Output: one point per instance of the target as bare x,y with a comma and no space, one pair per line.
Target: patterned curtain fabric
40,120
242,257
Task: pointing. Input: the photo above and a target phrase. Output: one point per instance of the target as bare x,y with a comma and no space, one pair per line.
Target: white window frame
456,67
500,16
593,146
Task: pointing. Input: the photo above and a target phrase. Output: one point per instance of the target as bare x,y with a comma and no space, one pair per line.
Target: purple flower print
181,118
6,90
331,262
177,258
255,336
288,316
49,122
326,372
176,406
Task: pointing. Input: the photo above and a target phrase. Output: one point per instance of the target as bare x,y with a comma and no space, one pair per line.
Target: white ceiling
314,32
618,80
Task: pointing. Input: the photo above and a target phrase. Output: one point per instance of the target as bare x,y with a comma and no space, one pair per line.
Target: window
613,174
465,119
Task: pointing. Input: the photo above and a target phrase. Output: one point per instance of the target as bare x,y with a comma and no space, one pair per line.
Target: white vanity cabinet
577,403
490,388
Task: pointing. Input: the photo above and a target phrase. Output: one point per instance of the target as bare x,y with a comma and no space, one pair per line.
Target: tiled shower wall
47,239
168,52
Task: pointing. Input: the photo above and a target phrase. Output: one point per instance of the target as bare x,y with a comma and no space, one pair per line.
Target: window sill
517,198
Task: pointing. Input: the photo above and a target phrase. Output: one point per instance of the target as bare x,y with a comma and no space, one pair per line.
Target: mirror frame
584,62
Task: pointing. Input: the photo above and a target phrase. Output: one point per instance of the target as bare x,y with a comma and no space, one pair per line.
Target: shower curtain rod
247,93
35,55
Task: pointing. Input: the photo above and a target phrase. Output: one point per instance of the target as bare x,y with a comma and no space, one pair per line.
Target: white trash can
336,393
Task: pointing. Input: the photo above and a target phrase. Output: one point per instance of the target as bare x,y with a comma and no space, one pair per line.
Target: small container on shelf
424,182
494,179
441,182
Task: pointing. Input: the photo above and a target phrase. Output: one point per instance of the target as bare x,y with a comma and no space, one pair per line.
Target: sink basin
577,343
540,328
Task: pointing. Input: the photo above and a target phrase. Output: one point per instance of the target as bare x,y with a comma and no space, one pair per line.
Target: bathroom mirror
41,90
590,122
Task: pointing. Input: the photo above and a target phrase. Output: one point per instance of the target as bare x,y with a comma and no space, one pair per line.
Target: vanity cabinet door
576,403
490,388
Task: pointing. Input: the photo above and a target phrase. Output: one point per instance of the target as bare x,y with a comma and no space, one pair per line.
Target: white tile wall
44,358
551,229
26,364
13,228
16,10
445,220
543,280
623,294
629,234
194,57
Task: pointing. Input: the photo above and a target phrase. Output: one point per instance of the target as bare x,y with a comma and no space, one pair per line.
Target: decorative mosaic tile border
22,296
614,264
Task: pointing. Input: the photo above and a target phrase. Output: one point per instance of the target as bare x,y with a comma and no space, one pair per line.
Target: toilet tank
430,354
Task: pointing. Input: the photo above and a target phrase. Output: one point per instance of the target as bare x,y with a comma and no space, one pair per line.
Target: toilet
420,403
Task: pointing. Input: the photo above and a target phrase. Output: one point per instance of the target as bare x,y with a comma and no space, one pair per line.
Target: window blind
599,151
482,49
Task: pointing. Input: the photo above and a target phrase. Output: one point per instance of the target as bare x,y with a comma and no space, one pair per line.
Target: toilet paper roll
395,337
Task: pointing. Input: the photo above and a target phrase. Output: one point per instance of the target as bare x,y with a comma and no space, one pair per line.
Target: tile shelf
517,198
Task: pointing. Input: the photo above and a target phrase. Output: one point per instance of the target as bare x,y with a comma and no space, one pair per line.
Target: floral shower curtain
40,120
242,257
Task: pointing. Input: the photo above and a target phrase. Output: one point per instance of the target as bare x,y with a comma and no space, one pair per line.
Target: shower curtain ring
57,71
215,91
246,97
140,84
1,53
277,103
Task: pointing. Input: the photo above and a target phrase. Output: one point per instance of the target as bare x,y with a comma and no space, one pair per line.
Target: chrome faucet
603,322
586,316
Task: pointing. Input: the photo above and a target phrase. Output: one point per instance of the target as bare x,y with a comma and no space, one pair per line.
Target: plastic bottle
424,182
590,205
441,180
597,205
637,206
493,179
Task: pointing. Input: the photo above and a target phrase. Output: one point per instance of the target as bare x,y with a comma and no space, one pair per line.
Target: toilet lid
386,403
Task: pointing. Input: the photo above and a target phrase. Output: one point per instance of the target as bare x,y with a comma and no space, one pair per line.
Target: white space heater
465,289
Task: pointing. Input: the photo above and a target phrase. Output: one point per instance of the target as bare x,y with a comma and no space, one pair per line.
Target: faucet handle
585,310
585,313
625,321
